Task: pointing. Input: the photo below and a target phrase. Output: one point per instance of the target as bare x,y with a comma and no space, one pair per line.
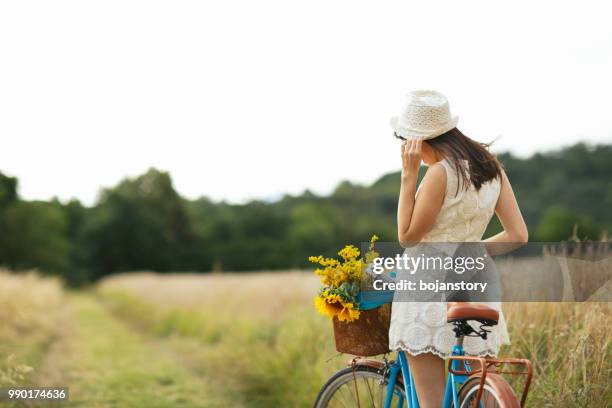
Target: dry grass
262,293
257,335
265,325
552,277
29,307
570,345
254,335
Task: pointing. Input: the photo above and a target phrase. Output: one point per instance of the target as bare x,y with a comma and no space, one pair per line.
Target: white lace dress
421,327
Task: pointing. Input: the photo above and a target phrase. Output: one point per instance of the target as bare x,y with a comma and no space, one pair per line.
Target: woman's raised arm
416,213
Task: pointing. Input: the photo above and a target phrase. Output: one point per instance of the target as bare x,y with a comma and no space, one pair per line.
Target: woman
463,187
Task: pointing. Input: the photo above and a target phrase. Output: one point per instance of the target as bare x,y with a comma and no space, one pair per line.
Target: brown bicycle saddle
457,311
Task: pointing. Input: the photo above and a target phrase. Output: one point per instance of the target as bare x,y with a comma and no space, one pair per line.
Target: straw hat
426,114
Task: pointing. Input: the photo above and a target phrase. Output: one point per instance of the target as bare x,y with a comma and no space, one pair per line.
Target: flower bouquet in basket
356,331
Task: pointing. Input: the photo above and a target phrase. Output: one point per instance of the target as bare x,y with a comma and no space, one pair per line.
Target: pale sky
250,99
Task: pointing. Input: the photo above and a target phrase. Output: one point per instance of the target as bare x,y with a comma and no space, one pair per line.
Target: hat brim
409,133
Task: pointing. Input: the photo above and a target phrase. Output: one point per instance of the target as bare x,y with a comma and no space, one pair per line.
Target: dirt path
107,365
51,372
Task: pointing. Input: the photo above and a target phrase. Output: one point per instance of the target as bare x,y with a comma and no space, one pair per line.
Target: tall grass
259,336
29,309
570,345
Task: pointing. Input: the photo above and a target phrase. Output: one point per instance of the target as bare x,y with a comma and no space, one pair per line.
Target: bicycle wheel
496,393
363,387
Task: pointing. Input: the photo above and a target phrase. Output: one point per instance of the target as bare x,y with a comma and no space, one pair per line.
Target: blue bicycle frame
400,366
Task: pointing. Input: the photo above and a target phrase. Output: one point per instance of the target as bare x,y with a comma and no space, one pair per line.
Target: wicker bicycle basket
366,336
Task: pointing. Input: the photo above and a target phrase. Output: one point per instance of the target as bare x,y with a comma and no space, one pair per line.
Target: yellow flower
371,255
333,273
356,271
349,252
333,299
332,276
328,306
373,240
348,313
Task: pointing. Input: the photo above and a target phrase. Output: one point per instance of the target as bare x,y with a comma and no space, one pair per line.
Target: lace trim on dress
400,345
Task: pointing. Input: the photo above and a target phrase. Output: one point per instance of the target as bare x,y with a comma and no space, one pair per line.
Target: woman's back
465,212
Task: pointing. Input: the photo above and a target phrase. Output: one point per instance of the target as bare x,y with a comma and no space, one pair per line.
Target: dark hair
457,148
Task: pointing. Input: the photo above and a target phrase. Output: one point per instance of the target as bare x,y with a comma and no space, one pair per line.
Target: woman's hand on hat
411,156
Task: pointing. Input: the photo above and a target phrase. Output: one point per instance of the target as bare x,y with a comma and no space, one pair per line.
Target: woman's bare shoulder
435,179
436,173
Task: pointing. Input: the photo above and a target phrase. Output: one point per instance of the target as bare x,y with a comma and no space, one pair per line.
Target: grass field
252,340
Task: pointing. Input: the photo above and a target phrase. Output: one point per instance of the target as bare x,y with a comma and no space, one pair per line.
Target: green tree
142,224
311,231
558,224
8,190
33,236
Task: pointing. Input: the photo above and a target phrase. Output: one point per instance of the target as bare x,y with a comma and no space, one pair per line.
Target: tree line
144,224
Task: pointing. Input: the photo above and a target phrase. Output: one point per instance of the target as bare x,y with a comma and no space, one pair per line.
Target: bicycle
373,383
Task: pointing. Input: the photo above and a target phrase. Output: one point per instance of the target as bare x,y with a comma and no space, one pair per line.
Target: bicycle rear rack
494,365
